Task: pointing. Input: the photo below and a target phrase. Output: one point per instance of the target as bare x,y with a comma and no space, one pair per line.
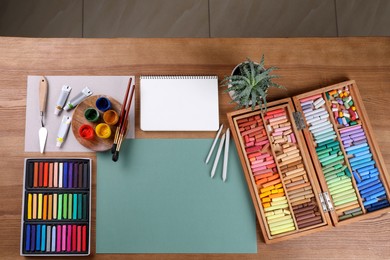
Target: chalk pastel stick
59,237
55,175
53,238
84,235
84,206
70,206
78,238
30,176
38,238
28,238
79,206
36,170
33,237
70,175
45,174
44,213
85,176
51,172
63,239
40,174
43,238
74,238
59,207
55,201
65,175
65,206
69,239
60,174
50,207
29,206
39,206
74,216
75,175
80,181
48,238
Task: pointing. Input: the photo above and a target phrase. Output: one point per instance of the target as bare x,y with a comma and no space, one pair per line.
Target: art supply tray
311,162
56,213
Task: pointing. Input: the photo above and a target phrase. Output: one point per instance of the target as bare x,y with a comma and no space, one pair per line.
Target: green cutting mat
159,198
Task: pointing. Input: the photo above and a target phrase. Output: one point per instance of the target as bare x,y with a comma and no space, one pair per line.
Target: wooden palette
95,144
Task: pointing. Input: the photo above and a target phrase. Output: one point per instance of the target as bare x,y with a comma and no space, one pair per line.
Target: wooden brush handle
42,94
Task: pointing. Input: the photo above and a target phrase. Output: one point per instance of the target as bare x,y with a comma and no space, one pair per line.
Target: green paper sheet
159,198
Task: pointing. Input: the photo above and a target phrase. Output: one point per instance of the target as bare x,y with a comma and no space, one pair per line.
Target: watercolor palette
56,212
311,162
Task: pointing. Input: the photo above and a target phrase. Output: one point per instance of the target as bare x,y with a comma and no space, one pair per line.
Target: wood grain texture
305,64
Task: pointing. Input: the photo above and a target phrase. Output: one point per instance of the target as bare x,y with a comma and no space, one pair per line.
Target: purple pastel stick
357,135
349,129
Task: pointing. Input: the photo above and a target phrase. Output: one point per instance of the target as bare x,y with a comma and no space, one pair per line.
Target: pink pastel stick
59,238
293,138
262,172
63,237
345,130
282,128
310,98
69,239
261,142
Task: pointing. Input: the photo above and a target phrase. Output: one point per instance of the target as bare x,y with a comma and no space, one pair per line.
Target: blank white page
179,103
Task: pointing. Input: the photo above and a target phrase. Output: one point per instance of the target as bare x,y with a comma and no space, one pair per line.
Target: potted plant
249,83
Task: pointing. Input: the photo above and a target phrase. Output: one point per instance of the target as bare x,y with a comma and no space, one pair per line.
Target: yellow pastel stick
282,230
266,205
262,195
34,206
29,206
50,207
278,186
280,199
265,200
282,218
263,190
277,216
280,223
282,206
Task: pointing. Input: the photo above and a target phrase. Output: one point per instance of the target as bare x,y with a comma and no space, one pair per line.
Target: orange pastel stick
45,174
261,181
277,195
272,183
274,177
265,175
44,216
35,174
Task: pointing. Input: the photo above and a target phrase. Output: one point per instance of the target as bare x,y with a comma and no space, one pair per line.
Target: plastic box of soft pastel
311,162
56,213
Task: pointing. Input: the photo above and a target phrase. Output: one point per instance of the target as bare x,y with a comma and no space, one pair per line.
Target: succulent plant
249,84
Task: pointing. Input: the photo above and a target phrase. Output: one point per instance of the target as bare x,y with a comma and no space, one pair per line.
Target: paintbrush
121,116
123,130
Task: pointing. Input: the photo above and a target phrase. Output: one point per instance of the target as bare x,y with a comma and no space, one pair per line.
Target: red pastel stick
45,174
74,237
35,185
40,175
58,247
84,245
78,238
69,239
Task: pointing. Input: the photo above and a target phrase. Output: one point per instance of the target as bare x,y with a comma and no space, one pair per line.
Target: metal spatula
42,108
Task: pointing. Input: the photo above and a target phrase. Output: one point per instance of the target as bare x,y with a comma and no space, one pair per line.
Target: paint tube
78,99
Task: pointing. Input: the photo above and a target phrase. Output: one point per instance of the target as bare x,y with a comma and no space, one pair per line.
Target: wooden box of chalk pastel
311,162
56,215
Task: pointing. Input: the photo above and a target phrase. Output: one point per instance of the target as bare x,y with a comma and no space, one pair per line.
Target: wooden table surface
305,64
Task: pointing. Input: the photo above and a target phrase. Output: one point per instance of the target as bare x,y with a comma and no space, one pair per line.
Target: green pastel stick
337,159
70,206
341,189
334,183
84,206
79,206
326,157
320,148
65,207
275,220
335,165
334,145
342,194
345,216
326,151
59,212
325,134
357,213
344,201
339,184
280,223
74,206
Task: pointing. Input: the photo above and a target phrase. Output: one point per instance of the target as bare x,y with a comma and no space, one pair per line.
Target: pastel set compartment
348,161
56,207
273,156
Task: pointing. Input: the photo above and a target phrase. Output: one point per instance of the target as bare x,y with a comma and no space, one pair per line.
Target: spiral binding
178,77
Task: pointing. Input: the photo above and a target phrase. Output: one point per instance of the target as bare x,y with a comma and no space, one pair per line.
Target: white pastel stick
226,155
217,156
213,145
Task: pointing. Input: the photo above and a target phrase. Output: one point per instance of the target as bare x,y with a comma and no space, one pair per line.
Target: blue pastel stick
368,202
362,153
362,161
356,147
27,237
363,174
362,165
377,207
38,240
358,150
374,174
357,177
361,157
65,174
372,188
43,236
368,184
368,168
377,194
53,238
70,175
33,237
